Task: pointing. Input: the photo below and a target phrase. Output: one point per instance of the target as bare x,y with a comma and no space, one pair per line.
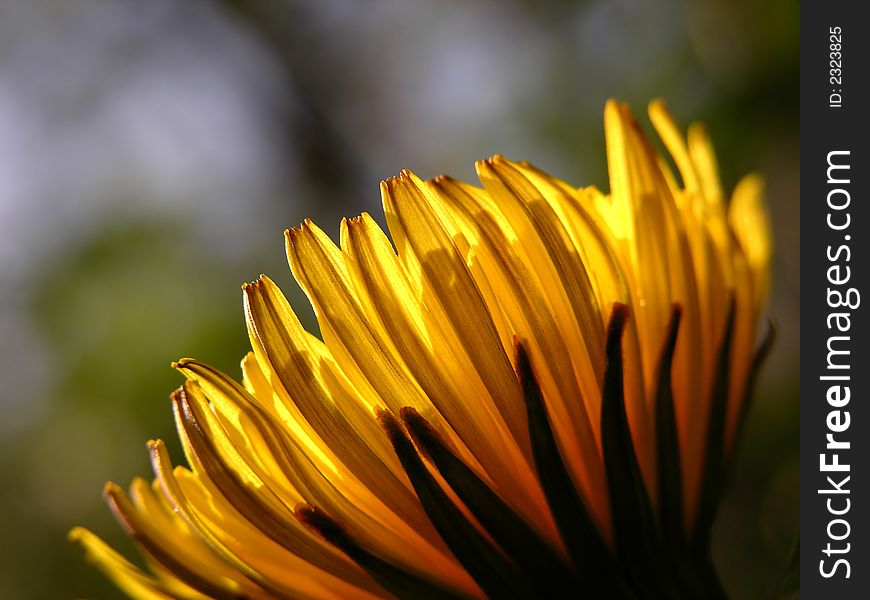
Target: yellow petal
594,248
122,572
280,467
323,410
433,352
361,347
160,547
234,538
748,218
286,572
513,289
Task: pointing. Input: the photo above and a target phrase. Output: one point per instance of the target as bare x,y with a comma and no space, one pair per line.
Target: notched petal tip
182,363
391,187
356,221
404,178
78,534
481,167
291,234
110,488
441,179
355,228
259,285
486,166
385,188
255,283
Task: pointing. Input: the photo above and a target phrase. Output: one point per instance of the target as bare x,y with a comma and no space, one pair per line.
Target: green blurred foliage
113,313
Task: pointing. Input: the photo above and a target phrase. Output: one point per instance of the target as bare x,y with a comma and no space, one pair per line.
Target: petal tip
77,534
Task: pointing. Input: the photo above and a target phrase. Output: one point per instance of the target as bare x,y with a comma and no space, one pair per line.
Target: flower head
533,386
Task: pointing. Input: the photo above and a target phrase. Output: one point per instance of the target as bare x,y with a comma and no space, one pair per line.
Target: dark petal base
652,557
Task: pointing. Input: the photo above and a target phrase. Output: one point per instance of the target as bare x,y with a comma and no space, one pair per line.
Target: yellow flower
538,388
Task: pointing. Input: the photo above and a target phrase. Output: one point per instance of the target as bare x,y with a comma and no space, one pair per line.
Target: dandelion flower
533,390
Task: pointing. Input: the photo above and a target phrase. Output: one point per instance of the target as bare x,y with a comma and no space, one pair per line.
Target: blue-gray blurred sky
151,153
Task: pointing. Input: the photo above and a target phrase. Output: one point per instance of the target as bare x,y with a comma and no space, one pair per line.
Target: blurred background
151,153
